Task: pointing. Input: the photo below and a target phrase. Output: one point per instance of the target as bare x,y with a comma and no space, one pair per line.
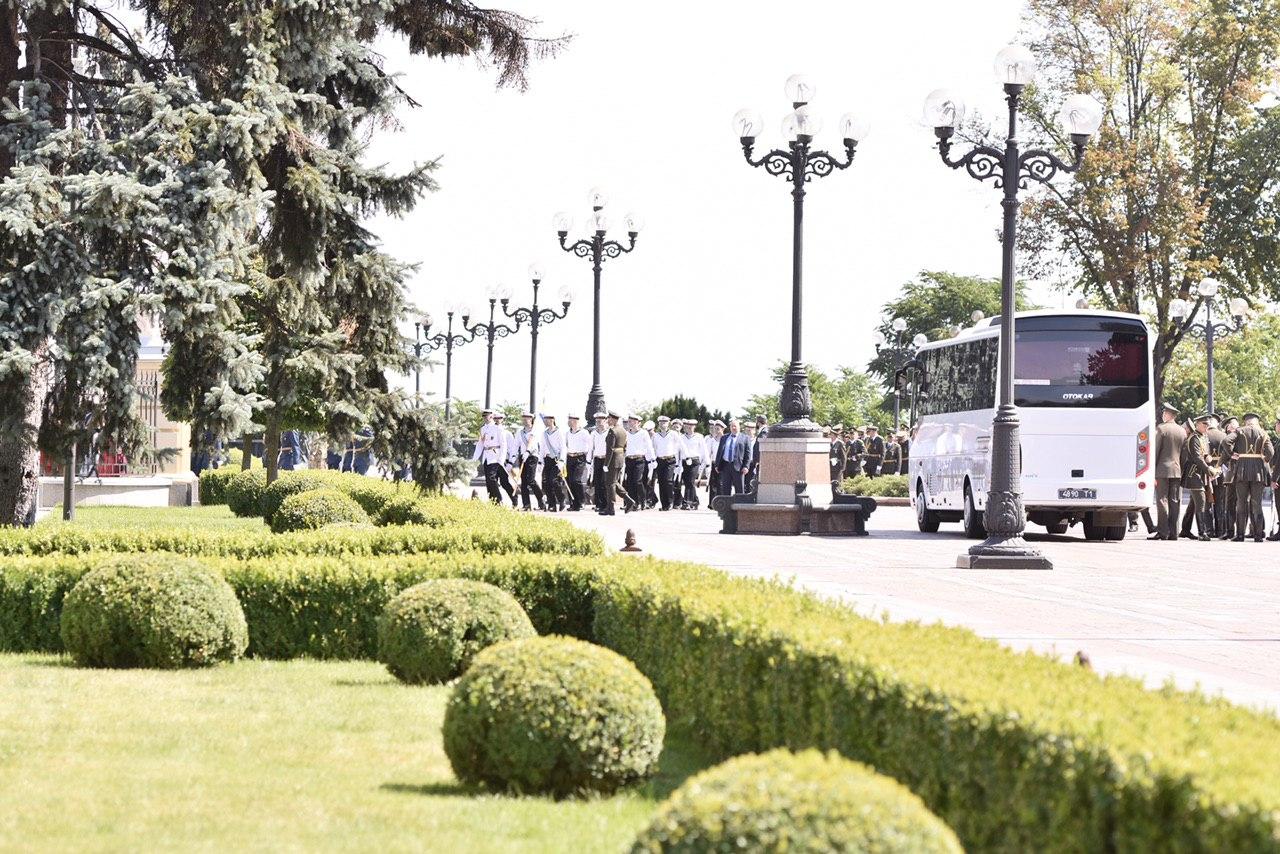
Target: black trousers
871,468
665,474
730,480
636,470
713,483
553,486
599,482
495,478
577,466
689,479
529,482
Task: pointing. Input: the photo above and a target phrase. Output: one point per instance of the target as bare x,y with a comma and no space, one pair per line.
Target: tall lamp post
597,249
535,317
900,356
420,327
798,164
448,341
1009,170
492,331
1209,330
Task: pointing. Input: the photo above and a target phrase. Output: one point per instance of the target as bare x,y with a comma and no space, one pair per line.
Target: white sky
640,103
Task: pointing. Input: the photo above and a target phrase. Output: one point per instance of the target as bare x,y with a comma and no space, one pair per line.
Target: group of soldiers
660,463
863,450
1224,464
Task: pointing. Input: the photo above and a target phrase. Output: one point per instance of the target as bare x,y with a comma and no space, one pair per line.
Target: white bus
1083,385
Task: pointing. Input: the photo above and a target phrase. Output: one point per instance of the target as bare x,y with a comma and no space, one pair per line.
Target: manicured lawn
298,755
216,517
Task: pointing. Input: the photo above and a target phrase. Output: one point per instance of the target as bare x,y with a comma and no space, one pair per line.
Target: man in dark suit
762,431
734,459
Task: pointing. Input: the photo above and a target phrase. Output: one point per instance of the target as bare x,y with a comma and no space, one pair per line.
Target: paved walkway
1197,613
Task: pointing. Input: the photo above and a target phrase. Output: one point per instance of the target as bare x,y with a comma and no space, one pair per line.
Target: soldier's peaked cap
1203,419
601,415
1253,415
1169,407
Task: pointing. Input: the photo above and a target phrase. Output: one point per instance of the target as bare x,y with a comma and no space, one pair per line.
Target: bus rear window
1081,367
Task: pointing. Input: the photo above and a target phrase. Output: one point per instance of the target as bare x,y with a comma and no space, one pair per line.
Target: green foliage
801,802
850,397
1246,372
293,483
553,715
431,632
1177,184
316,508
683,408
244,492
404,510
885,486
934,303
152,611
213,485
419,438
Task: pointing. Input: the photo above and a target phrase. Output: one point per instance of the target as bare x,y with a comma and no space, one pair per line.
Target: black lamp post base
595,403
1004,552
796,406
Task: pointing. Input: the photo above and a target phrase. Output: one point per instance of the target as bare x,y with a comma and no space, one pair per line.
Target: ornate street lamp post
900,355
420,326
1009,170
596,248
535,317
1208,330
492,330
448,341
798,164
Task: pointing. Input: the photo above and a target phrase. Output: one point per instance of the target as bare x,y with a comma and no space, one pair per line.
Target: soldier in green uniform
892,457
1227,497
1218,509
1167,455
874,453
1275,487
1196,475
1251,455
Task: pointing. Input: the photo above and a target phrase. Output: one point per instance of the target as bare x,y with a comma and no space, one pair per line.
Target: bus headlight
1143,459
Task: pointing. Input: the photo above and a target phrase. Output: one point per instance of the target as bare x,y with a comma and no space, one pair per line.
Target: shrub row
884,486
1013,750
470,528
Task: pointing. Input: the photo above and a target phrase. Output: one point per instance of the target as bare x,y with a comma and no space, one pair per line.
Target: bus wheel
973,527
1057,527
926,520
1094,531
1116,532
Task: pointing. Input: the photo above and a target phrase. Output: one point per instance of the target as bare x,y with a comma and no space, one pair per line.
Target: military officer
693,446
873,454
1197,474
491,453
710,461
1251,454
599,461
616,448
1230,426
839,456
892,457
667,451
551,450
639,453
854,448
506,457
1275,487
1218,509
579,447
1167,453
528,459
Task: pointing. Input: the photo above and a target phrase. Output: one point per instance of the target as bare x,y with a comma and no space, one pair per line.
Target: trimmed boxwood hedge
553,715
430,632
213,485
244,492
314,509
1014,751
808,803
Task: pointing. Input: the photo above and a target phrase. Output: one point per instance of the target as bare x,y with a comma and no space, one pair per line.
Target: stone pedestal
787,461
793,493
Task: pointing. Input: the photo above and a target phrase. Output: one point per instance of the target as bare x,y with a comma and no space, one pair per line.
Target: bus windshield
1081,361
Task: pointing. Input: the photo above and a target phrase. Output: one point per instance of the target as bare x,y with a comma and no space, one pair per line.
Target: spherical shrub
244,492
802,802
432,631
370,493
293,483
553,715
404,510
307,511
153,610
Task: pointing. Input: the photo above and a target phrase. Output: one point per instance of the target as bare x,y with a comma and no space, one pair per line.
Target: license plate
1073,493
